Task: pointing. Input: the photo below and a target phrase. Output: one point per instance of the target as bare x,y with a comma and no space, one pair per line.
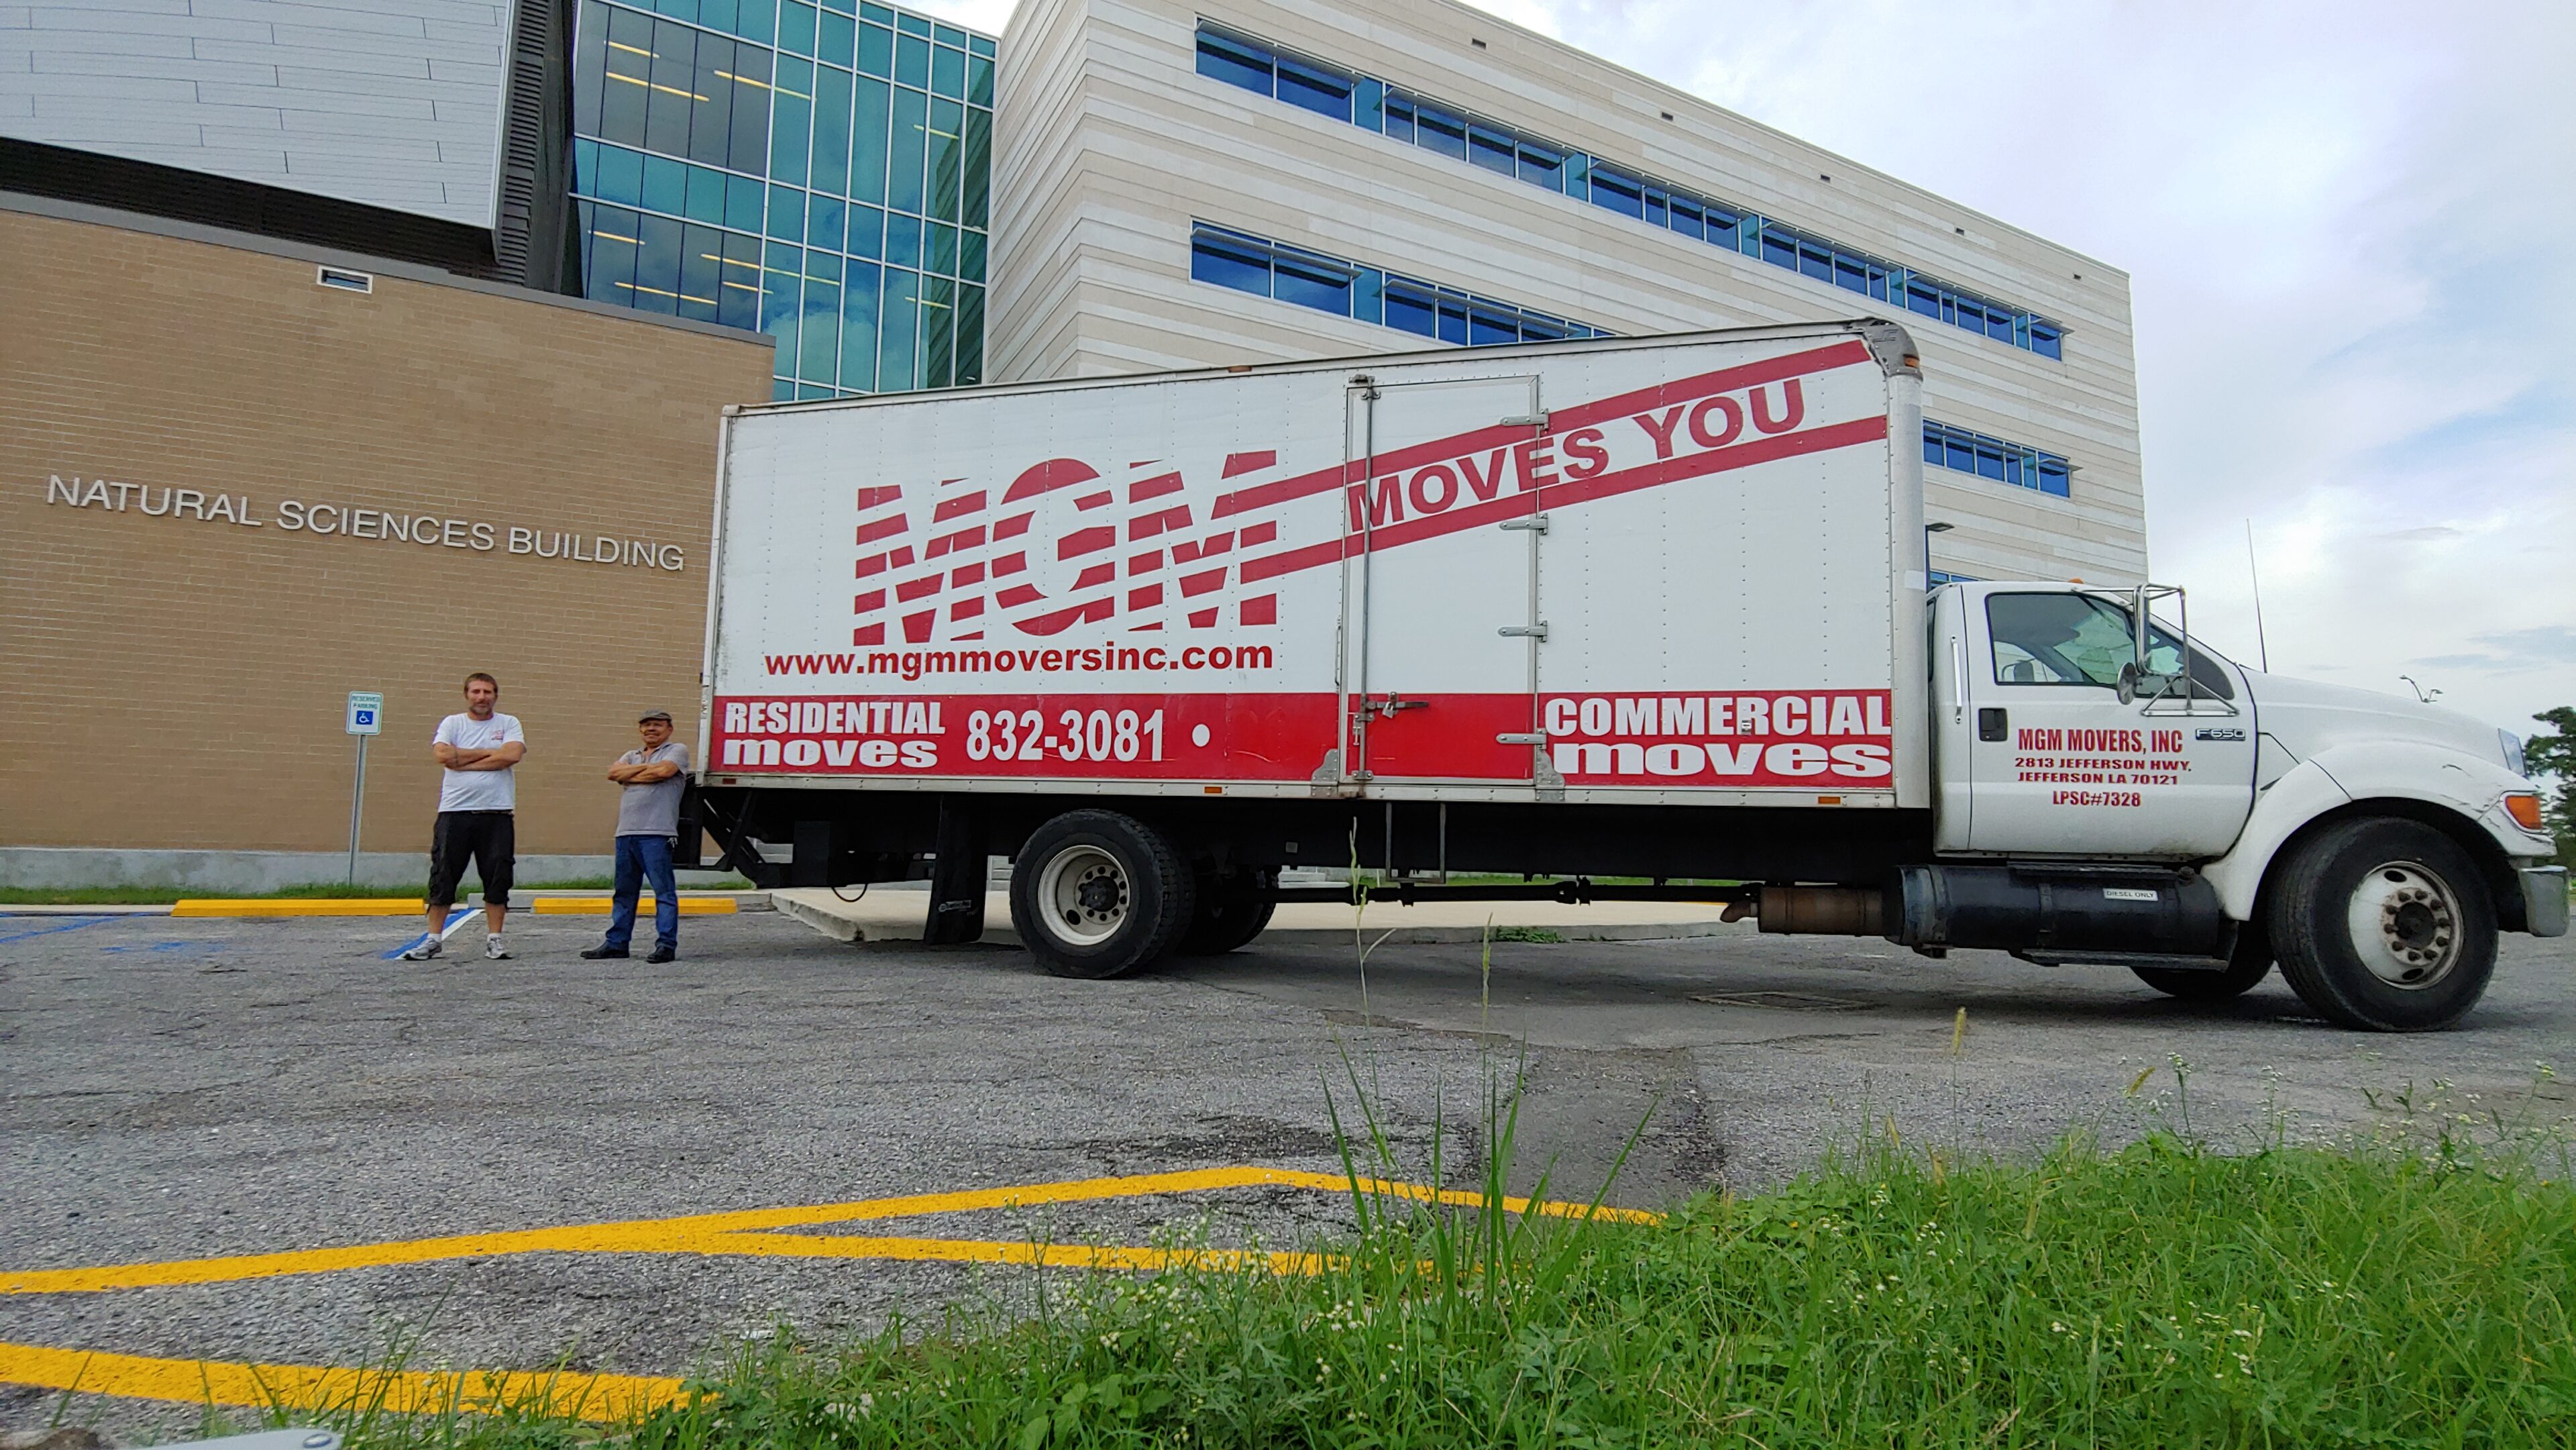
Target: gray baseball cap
651,715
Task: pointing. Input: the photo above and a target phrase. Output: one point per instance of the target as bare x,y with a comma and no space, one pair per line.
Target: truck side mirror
2128,686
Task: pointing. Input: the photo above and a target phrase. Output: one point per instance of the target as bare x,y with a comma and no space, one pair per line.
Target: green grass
2381,1294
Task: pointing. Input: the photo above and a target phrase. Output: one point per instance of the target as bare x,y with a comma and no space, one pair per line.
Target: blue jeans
641,859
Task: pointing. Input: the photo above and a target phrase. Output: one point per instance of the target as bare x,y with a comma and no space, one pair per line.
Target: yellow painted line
303,906
596,1397
600,905
748,1232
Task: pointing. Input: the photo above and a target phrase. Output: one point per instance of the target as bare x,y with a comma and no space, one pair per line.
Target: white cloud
2345,226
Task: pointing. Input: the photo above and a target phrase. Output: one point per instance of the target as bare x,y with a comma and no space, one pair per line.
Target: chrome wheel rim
1083,896
2405,923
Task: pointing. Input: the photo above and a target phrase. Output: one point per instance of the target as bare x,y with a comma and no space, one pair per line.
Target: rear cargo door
1440,667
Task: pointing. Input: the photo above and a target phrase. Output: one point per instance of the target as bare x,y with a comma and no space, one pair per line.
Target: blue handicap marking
454,918
162,946
50,930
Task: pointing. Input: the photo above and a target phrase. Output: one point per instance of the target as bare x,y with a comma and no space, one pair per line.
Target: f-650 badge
2219,734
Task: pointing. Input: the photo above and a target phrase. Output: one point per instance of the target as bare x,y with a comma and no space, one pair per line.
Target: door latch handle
1391,704
1524,631
1991,724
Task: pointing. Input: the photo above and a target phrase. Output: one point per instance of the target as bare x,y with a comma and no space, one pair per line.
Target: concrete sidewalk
894,913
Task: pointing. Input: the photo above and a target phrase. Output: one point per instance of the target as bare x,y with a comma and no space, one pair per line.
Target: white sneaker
422,950
493,950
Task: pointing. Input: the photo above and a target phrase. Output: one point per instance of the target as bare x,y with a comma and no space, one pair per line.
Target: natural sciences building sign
233,498
356,521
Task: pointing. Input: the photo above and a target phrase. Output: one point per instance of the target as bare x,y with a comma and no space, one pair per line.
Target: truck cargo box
1677,570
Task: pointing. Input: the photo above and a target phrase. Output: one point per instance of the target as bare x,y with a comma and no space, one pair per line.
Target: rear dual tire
1098,894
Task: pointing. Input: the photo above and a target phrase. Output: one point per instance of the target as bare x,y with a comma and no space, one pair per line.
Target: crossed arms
625,774
499,758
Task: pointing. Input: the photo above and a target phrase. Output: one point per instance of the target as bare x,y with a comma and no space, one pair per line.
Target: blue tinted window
1453,321
786,213
876,51
948,72
1314,89
912,61
796,27
1411,308
1229,264
1541,165
1319,86
1234,63
823,222
903,240
835,38
1617,192
706,196
867,232
1436,130
1399,118
621,175
743,203
1322,286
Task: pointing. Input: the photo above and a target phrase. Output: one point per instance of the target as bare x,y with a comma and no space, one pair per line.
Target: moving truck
1647,608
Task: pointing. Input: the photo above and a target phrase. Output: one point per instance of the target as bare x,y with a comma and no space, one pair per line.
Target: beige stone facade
230,494
1109,145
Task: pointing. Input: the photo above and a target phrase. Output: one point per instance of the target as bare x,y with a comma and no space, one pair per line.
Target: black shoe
604,953
660,955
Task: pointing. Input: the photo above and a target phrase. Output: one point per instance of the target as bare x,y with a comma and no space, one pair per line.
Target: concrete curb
998,931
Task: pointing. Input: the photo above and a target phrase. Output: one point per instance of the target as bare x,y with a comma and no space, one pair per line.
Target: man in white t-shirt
476,800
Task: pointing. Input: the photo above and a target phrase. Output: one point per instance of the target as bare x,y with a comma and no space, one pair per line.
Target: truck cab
2371,845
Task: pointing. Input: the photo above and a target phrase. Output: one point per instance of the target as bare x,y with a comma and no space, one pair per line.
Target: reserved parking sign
366,712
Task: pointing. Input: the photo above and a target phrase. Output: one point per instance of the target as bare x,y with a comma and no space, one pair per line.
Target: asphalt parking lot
181,1089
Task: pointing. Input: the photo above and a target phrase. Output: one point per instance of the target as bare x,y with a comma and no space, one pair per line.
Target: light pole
1935,527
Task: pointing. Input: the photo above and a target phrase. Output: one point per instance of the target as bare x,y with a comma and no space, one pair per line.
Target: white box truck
1648,608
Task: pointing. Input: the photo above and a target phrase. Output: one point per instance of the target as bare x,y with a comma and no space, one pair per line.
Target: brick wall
178,682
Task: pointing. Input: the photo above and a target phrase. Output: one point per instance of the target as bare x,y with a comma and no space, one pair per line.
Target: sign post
366,717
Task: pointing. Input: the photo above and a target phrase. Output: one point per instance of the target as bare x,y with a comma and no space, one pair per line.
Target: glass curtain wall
820,173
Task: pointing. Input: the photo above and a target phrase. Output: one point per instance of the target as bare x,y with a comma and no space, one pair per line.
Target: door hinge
1526,420
1526,739
1524,631
1535,523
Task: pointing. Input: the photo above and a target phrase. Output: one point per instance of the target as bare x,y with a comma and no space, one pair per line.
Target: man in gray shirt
648,828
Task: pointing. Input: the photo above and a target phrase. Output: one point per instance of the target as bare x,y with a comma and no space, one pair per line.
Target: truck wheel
2384,925
2247,965
1232,910
1098,894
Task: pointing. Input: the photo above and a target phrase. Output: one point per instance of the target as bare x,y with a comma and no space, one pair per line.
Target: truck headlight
2512,744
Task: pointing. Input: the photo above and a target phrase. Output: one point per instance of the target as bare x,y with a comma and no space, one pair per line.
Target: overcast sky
2351,236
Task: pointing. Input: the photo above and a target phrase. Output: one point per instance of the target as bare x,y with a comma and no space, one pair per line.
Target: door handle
1991,724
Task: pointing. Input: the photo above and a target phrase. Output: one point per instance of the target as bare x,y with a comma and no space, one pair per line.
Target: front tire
2384,925
1097,894
2248,963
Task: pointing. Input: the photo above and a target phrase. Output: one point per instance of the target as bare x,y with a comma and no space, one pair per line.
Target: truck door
1440,574
2060,763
